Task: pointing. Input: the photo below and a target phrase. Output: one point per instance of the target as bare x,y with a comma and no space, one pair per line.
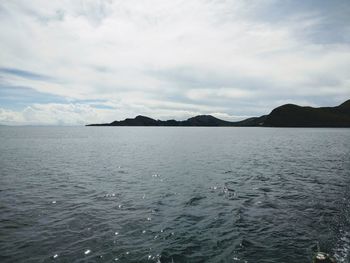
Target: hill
200,120
291,115
288,115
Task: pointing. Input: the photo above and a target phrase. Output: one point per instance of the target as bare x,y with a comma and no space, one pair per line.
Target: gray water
128,194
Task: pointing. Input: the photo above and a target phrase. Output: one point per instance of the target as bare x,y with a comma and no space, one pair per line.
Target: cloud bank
76,62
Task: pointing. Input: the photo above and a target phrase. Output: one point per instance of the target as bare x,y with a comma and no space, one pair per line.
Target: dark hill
252,122
205,120
138,121
200,120
288,115
291,115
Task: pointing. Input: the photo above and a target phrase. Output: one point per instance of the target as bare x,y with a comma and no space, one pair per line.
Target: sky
78,62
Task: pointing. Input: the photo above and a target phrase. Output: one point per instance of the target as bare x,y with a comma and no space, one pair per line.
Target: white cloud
218,93
53,114
10,117
170,58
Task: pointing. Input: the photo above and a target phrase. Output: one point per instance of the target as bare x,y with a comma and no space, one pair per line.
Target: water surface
170,194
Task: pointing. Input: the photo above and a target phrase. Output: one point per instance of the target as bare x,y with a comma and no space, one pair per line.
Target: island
288,115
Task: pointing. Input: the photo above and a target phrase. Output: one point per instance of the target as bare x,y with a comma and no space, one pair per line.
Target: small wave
341,252
265,189
194,200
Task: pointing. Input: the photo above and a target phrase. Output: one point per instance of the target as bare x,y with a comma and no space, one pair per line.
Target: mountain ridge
287,115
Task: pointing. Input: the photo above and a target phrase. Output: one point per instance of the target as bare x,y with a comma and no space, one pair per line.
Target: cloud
219,93
53,114
174,58
25,74
18,97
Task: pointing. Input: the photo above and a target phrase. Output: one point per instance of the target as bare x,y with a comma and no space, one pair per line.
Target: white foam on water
341,252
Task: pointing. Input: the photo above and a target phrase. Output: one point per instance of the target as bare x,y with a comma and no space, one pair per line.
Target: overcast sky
77,62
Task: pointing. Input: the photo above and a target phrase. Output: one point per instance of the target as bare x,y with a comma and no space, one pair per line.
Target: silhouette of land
288,115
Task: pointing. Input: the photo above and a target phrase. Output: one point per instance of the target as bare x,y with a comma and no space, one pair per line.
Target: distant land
288,115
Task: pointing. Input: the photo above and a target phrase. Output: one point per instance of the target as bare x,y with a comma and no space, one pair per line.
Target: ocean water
163,194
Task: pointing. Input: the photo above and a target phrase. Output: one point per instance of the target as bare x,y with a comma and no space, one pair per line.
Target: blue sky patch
25,74
18,97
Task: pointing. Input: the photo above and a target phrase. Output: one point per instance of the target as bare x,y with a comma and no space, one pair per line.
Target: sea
174,194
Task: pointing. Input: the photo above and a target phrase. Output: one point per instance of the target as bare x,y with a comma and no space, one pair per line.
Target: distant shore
288,115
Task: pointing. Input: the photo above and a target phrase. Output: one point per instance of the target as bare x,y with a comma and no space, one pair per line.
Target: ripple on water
342,249
194,200
259,207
